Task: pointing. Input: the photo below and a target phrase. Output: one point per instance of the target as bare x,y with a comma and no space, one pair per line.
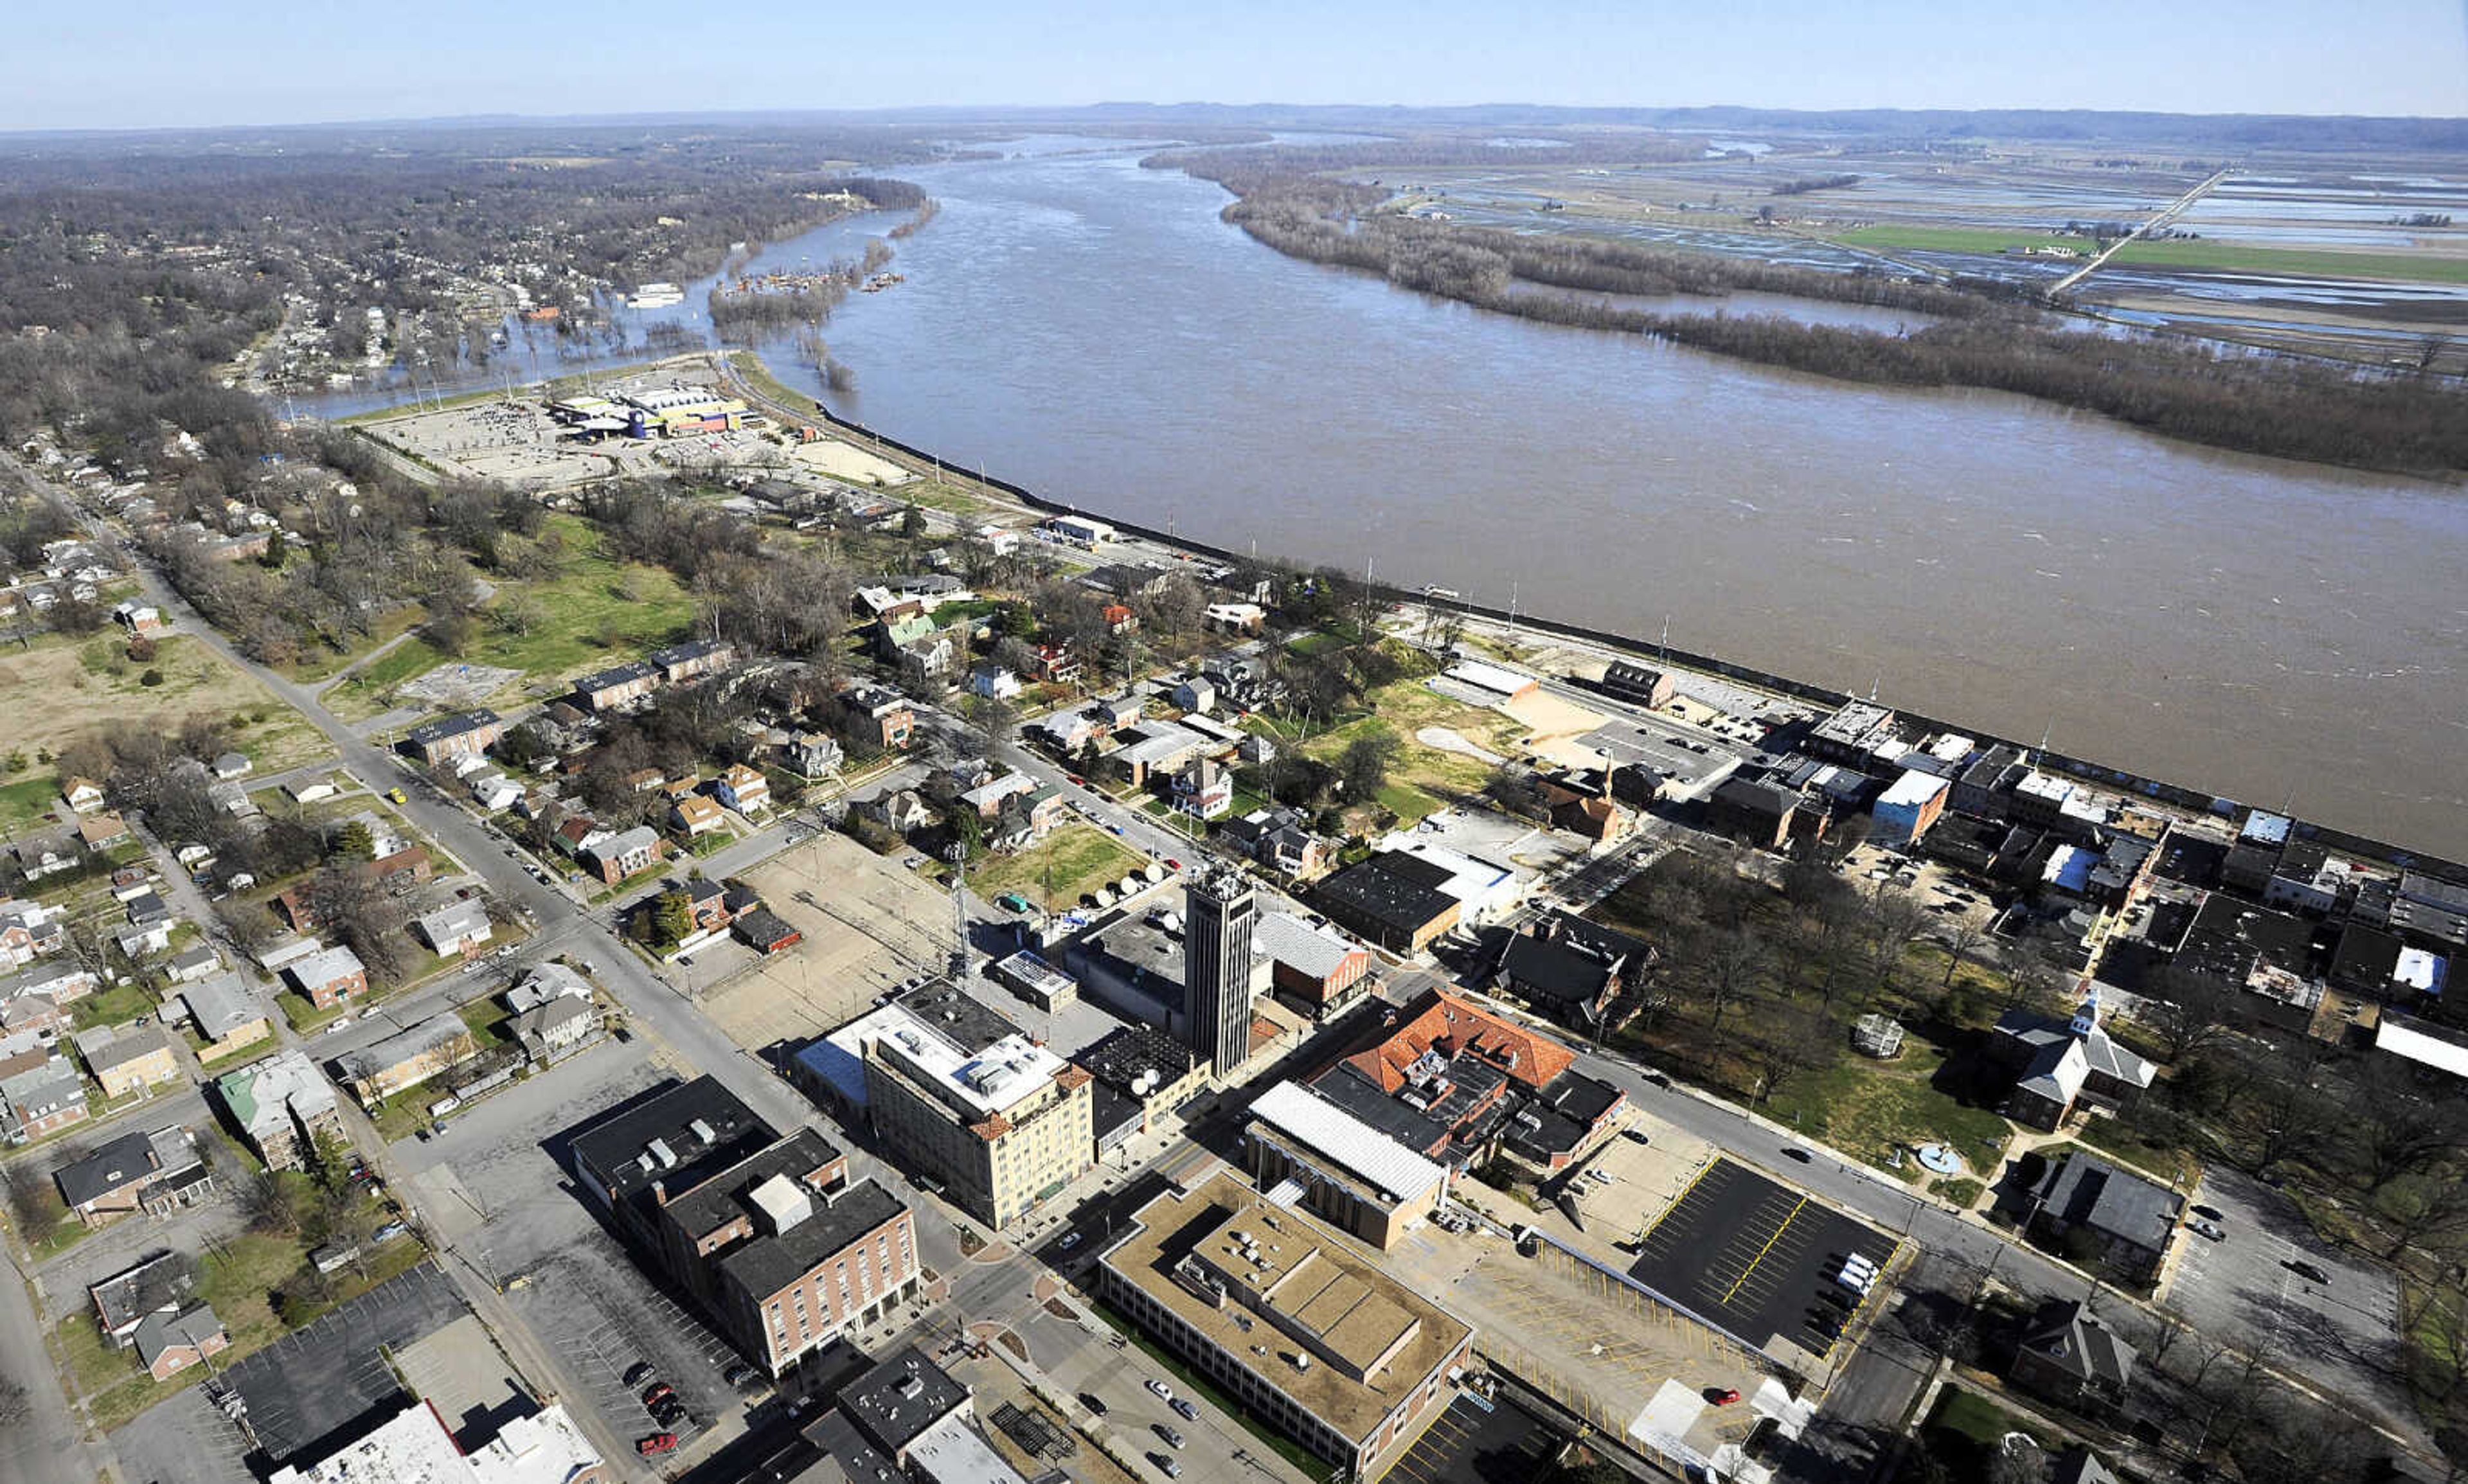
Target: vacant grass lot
596,612
1073,857
28,800
1424,779
1870,1109
2200,253
63,689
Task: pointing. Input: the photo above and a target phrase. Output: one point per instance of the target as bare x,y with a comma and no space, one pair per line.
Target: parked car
2309,1271
1721,1396
2210,1230
1012,902
1173,864
1162,1390
1166,1466
388,1232
1094,1403
657,1392
656,1443
2210,1213
671,1413
1173,1438
1184,1409
741,1375
1794,1151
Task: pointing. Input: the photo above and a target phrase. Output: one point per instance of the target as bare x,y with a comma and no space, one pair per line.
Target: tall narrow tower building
1217,967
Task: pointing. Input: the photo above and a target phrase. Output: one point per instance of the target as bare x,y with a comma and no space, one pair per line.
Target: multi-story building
692,659
606,690
1216,968
282,1106
1327,1348
967,1098
1306,1150
465,734
769,1233
414,1447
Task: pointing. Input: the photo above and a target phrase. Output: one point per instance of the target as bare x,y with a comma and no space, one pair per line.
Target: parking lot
1758,1258
1479,1441
868,923
2343,1332
1627,1185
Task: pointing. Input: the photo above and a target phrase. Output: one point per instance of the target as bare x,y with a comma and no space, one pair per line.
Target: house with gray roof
2059,1063
2069,1355
2110,1213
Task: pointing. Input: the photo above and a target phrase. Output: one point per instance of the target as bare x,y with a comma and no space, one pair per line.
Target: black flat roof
900,1398
767,1263
1127,1052
1380,892
455,725
967,1023
619,1153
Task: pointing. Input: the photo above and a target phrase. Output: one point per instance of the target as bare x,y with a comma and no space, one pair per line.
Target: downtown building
767,1232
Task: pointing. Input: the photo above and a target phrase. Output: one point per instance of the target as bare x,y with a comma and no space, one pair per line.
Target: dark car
2210,1213
635,1371
657,1392
741,1375
1794,1151
2307,1271
1094,1403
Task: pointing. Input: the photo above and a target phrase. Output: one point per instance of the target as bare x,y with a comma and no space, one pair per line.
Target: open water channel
2278,632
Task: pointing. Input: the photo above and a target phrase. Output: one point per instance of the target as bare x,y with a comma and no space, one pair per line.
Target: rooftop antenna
1662,650
1875,685
957,855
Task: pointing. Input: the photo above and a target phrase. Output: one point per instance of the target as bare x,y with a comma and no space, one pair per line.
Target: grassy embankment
1075,858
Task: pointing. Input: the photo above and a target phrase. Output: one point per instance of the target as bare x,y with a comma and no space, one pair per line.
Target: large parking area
868,923
1478,1442
2243,1290
1758,1258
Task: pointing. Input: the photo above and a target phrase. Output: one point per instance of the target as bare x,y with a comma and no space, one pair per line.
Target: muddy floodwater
2281,633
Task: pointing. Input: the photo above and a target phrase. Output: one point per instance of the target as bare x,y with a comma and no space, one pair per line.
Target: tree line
2252,403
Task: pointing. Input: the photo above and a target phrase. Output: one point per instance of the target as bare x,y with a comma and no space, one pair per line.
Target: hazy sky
141,63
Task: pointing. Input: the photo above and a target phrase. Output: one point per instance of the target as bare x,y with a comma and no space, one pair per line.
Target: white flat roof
1490,678
991,1080
1911,791
2045,785
2397,1034
1290,940
2418,969
1311,1120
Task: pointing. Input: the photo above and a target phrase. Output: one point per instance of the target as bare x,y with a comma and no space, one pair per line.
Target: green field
1079,857
1869,1109
28,800
2173,252
596,612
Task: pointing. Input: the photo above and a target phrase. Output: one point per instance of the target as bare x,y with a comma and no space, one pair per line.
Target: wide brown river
2276,632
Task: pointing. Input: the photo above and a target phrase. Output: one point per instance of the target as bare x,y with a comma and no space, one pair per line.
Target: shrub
151,678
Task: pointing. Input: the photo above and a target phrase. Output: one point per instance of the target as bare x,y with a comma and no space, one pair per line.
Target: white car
1163,1391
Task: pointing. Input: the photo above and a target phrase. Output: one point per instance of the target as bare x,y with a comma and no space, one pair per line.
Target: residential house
2094,1208
164,1281
169,1341
493,792
229,766
192,964
407,1058
329,977
1204,789
27,931
1279,839
43,1095
548,1031
1045,808
1058,664
47,854
291,904
131,1061
1641,684
35,1016
103,832
225,1014
546,982
1234,618
281,1106
400,870
994,682
156,1173
901,809
618,685
649,780
457,928
82,794
62,983
894,722
1118,619
694,817
617,856
743,788
987,798
465,734
929,666
310,791
1194,692
813,754
2068,1354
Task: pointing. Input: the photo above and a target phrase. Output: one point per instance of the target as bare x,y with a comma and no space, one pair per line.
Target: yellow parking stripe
1768,1247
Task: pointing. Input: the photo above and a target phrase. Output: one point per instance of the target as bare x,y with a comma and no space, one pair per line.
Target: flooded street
2277,632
